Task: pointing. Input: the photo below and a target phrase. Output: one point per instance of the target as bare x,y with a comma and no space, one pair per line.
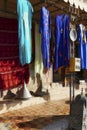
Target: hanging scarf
24,11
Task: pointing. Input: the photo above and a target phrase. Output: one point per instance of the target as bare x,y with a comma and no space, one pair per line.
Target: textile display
45,30
24,11
52,46
61,57
82,38
38,55
39,68
12,73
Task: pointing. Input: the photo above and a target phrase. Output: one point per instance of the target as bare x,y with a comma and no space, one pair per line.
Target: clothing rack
39,10
38,3
50,3
56,6
66,10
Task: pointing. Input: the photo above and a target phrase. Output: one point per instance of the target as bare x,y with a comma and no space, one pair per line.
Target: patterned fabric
62,41
82,38
12,73
45,30
52,46
24,10
66,43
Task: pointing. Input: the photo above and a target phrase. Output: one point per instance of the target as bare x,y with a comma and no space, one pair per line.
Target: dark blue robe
45,30
62,41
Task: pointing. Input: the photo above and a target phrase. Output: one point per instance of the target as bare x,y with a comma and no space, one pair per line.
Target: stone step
56,92
13,104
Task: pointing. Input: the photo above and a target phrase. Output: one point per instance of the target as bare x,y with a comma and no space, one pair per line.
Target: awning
82,4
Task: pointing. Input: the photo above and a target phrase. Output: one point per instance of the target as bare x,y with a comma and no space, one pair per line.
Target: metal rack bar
48,4
38,11
38,3
56,5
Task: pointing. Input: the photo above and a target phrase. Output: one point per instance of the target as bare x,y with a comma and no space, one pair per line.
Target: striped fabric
12,73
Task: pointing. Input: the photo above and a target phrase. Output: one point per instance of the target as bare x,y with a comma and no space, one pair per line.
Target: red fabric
8,24
12,73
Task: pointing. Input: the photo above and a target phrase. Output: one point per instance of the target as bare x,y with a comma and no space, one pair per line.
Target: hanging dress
45,77
45,30
38,55
24,11
61,57
82,38
66,41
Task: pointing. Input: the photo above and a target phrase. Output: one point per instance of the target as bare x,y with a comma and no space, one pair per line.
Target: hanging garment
86,35
82,38
45,30
12,73
59,41
52,46
38,55
66,42
45,77
24,11
62,41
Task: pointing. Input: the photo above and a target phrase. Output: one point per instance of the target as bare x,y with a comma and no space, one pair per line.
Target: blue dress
66,40
61,57
82,46
24,11
45,30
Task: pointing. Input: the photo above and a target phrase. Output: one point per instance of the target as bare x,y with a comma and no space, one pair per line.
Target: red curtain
12,73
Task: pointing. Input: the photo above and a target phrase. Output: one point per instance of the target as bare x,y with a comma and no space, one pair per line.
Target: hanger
46,5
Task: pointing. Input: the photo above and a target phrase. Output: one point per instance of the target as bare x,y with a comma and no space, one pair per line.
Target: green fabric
38,54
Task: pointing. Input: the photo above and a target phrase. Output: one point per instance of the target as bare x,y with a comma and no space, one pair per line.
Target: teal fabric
24,11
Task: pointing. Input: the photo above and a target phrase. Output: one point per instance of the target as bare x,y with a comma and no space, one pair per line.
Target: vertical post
70,92
73,85
73,55
72,95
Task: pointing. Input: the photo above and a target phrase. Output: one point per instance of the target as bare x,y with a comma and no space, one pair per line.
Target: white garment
83,29
38,55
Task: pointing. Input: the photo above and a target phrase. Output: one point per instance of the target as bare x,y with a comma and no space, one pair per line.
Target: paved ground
36,116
